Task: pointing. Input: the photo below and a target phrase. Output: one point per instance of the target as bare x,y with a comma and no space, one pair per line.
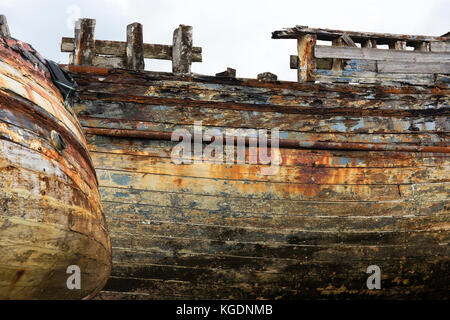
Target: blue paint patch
359,161
340,127
430,126
345,161
121,179
162,108
283,134
359,125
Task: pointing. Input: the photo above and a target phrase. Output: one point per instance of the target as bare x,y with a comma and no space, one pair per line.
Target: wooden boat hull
371,188
51,216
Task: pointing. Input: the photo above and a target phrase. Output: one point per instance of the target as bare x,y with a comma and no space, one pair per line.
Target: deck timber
51,216
213,230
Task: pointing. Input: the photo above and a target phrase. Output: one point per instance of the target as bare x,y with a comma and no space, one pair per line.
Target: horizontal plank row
289,157
330,34
269,190
143,114
183,205
254,172
413,142
380,54
303,216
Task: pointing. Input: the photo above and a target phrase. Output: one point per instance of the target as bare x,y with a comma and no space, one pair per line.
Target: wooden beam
348,41
108,62
4,29
182,49
118,48
307,64
379,54
412,67
360,37
134,59
84,42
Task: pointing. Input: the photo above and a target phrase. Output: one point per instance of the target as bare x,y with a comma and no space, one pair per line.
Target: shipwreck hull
51,216
363,181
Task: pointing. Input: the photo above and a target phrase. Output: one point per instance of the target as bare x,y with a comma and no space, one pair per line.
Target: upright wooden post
422,46
4,29
369,43
182,49
398,45
307,63
84,42
134,59
337,63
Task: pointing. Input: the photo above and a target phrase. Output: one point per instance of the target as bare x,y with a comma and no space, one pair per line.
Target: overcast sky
232,33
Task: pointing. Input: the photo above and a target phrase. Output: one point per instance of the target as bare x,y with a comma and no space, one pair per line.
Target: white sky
232,33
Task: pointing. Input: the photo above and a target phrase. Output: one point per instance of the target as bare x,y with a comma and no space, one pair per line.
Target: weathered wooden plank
36,137
440,46
235,91
284,174
357,218
240,188
289,139
148,115
108,62
186,207
348,40
289,157
379,54
305,52
329,34
367,77
134,51
45,267
348,279
84,40
87,76
413,67
182,49
4,29
118,48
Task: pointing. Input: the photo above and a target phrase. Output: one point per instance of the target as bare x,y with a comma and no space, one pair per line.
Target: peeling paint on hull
51,216
220,231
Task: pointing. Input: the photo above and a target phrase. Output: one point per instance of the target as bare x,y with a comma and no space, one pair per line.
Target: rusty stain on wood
363,177
50,214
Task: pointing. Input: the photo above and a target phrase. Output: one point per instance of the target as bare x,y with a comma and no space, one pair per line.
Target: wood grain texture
51,216
217,231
